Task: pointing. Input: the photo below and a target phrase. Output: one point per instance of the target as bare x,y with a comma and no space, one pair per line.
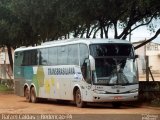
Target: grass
4,89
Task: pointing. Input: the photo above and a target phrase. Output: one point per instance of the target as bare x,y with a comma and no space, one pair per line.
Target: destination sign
61,71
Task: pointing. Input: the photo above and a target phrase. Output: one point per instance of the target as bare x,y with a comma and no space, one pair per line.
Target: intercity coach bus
80,70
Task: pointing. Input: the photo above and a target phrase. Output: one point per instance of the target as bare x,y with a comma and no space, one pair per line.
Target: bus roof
87,41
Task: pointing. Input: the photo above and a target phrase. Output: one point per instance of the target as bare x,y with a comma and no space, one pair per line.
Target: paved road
12,104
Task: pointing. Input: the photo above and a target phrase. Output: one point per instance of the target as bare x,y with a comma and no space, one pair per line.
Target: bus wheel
26,94
33,95
78,99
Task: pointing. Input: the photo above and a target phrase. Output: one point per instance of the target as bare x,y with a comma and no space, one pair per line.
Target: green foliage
3,88
30,22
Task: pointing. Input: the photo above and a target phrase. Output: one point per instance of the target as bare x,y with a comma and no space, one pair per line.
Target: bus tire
27,94
78,99
33,97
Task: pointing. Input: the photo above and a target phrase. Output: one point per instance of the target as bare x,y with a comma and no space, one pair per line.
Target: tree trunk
94,36
101,33
106,31
68,35
88,29
115,29
82,33
10,56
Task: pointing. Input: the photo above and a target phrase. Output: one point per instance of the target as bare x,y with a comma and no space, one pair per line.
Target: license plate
118,97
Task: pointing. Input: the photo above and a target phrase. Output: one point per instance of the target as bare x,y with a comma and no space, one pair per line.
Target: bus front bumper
115,97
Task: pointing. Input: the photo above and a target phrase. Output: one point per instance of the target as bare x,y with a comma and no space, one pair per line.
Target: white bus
80,70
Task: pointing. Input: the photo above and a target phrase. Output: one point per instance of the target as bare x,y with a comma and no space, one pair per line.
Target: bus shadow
89,105
110,106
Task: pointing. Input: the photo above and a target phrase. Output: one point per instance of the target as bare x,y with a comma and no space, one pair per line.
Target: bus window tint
73,55
34,57
62,55
52,56
83,53
111,50
25,58
43,56
30,58
18,58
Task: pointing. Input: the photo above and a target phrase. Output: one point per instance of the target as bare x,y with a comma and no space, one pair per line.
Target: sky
141,33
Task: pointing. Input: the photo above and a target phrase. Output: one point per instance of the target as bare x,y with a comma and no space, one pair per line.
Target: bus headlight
99,92
133,91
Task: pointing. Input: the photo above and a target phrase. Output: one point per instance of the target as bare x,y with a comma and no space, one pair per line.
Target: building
152,50
5,68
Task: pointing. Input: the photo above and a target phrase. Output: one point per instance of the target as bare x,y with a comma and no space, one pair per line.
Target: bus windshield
114,64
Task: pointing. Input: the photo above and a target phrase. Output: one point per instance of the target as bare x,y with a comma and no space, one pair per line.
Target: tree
102,15
30,22
5,26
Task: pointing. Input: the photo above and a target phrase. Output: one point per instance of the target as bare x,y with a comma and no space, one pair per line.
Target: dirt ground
12,104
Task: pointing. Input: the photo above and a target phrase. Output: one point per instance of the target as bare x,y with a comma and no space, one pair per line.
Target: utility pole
147,62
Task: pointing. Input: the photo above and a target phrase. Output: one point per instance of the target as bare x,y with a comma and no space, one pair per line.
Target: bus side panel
55,81
19,80
18,87
65,87
54,85
47,86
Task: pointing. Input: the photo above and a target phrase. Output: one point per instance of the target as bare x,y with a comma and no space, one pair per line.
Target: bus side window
25,58
34,57
73,55
62,55
43,57
18,58
52,56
